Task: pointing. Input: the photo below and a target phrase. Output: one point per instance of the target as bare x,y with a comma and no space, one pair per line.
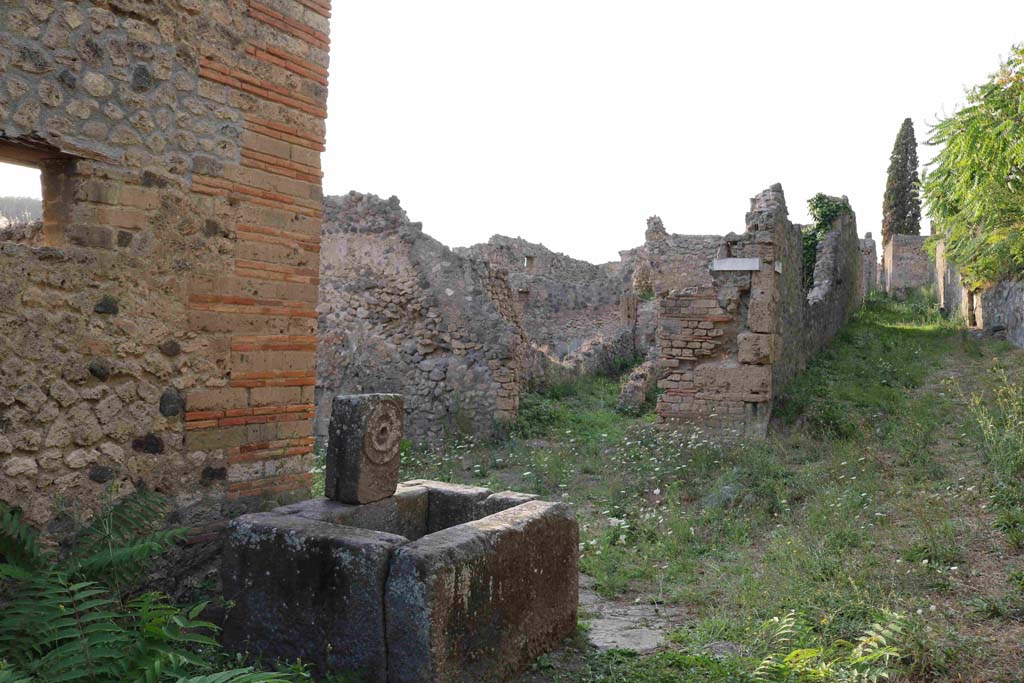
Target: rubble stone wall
164,335
1001,310
950,289
401,313
906,264
996,310
570,309
728,346
869,269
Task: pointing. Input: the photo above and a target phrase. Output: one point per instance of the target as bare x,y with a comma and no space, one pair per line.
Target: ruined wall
570,309
663,263
1000,310
728,347
164,336
906,264
400,312
996,310
677,261
869,265
952,294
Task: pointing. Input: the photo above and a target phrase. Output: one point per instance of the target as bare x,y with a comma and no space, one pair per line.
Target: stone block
362,450
762,313
477,602
734,382
755,349
736,264
503,500
403,514
308,589
451,504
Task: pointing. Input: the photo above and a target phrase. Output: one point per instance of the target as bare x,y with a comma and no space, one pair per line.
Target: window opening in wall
21,203
34,194
528,263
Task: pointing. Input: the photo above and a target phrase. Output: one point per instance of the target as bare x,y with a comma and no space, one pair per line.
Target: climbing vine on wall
825,210
974,189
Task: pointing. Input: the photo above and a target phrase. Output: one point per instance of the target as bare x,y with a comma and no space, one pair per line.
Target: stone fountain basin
439,582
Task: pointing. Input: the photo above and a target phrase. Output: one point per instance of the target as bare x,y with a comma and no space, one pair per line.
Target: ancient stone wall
906,264
164,336
402,313
869,265
996,310
728,346
950,289
675,261
1000,310
663,263
570,309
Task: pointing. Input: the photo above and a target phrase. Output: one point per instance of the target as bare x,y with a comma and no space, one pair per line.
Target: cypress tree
901,207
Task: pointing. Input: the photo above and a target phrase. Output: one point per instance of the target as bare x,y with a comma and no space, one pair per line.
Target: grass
881,490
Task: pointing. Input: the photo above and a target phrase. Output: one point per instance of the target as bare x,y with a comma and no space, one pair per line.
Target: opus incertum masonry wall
164,336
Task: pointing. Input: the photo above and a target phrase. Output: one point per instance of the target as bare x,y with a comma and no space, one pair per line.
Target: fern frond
61,624
19,542
237,676
118,542
81,639
29,617
9,675
165,638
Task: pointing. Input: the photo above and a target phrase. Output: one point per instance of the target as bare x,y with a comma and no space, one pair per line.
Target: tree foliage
21,209
63,623
901,205
825,210
974,189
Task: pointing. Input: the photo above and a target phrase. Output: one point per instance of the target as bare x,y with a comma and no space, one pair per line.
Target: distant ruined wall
678,261
953,295
401,313
730,343
665,262
570,309
906,264
163,332
869,265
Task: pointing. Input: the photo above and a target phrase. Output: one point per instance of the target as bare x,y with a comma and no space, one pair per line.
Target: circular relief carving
383,433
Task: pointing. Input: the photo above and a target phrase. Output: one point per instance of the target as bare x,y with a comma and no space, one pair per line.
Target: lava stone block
404,513
363,447
478,601
308,589
451,504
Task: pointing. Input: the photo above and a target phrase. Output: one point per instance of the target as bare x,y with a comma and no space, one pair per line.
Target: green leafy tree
974,189
901,206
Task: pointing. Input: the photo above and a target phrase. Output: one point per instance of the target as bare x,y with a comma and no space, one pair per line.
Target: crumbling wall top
365,213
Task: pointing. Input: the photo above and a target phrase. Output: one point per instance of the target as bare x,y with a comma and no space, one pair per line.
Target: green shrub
73,618
870,658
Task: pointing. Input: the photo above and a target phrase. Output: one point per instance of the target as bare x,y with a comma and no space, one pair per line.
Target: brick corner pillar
260,312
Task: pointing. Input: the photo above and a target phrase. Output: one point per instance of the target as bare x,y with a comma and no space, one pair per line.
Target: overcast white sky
569,122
